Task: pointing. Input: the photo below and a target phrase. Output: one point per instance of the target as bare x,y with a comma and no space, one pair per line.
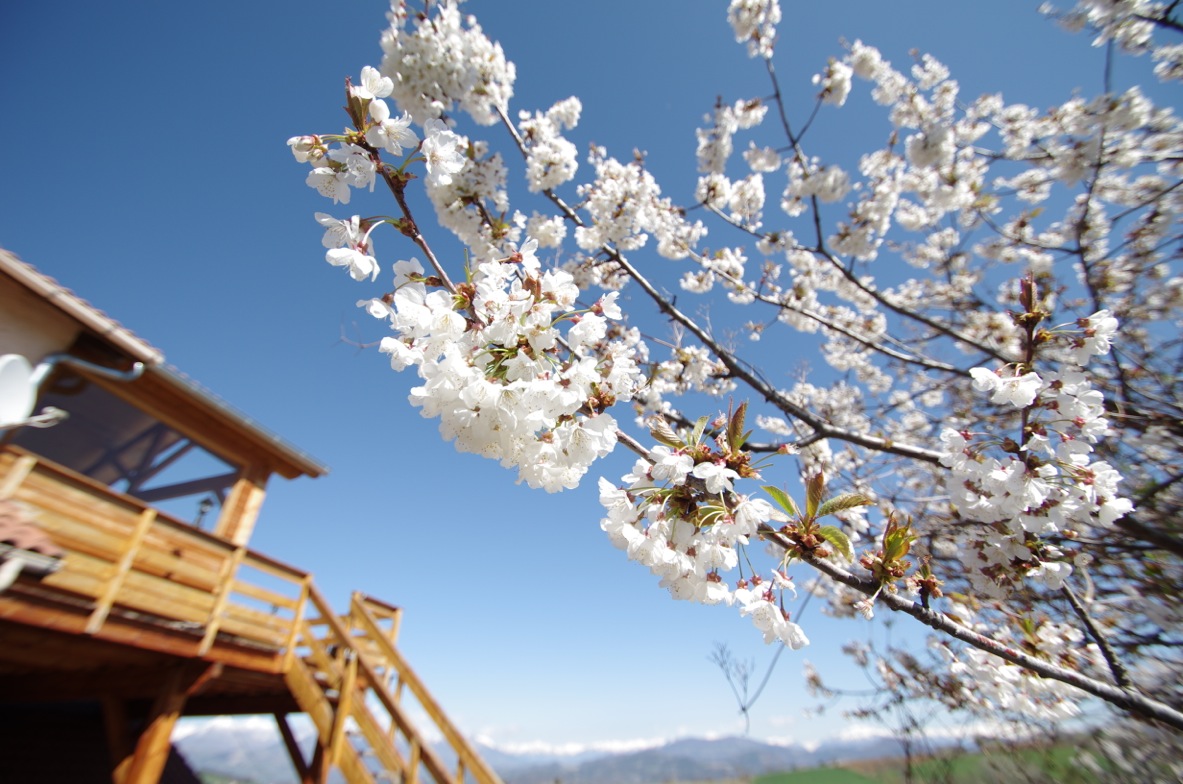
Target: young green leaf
699,428
815,491
782,500
663,433
839,540
897,542
735,434
840,503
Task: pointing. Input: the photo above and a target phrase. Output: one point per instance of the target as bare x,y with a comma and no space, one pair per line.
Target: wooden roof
163,391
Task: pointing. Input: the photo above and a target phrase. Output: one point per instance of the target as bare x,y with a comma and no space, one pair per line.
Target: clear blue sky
146,169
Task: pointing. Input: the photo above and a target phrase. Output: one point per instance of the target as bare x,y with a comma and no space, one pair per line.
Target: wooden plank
84,524
264,595
143,593
178,568
270,618
82,503
70,481
252,633
79,574
275,568
103,606
174,542
264,623
416,754
20,468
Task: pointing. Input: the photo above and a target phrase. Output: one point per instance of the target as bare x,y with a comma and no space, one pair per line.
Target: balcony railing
130,562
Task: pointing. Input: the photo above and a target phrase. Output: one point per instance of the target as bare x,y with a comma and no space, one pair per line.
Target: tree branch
1127,699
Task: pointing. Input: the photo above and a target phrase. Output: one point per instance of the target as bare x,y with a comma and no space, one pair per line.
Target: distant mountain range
251,751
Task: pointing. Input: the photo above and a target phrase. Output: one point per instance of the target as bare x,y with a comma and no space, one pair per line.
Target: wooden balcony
152,619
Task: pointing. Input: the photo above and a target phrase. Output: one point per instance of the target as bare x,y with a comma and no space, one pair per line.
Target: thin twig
1120,676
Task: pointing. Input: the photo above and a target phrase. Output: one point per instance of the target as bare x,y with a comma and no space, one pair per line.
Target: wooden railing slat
103,606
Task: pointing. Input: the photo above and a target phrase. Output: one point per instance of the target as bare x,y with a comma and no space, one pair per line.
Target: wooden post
242,507
344,707
289,654
320,771
118,739
152,749
413,764
126,559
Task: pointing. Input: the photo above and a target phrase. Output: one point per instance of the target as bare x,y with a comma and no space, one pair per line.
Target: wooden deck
156,619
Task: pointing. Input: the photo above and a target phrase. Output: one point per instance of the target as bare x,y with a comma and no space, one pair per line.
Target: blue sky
146,169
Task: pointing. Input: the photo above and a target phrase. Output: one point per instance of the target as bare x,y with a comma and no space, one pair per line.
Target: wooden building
130,596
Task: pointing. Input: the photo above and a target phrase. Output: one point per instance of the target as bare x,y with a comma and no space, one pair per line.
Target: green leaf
699,428
841,542
840,503
782,500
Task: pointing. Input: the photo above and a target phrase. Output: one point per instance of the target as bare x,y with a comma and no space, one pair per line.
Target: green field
1055,764
815,776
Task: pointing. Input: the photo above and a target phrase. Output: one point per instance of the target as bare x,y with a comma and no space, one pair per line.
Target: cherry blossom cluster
551,160
992,686
445,61
353,159
1047,484
677,514
754,23
1130,23
499,372
625,205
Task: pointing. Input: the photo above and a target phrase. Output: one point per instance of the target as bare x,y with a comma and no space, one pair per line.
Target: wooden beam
38,610
210,484
289,741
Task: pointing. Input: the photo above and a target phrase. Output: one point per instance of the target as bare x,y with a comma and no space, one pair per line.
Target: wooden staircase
347,675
